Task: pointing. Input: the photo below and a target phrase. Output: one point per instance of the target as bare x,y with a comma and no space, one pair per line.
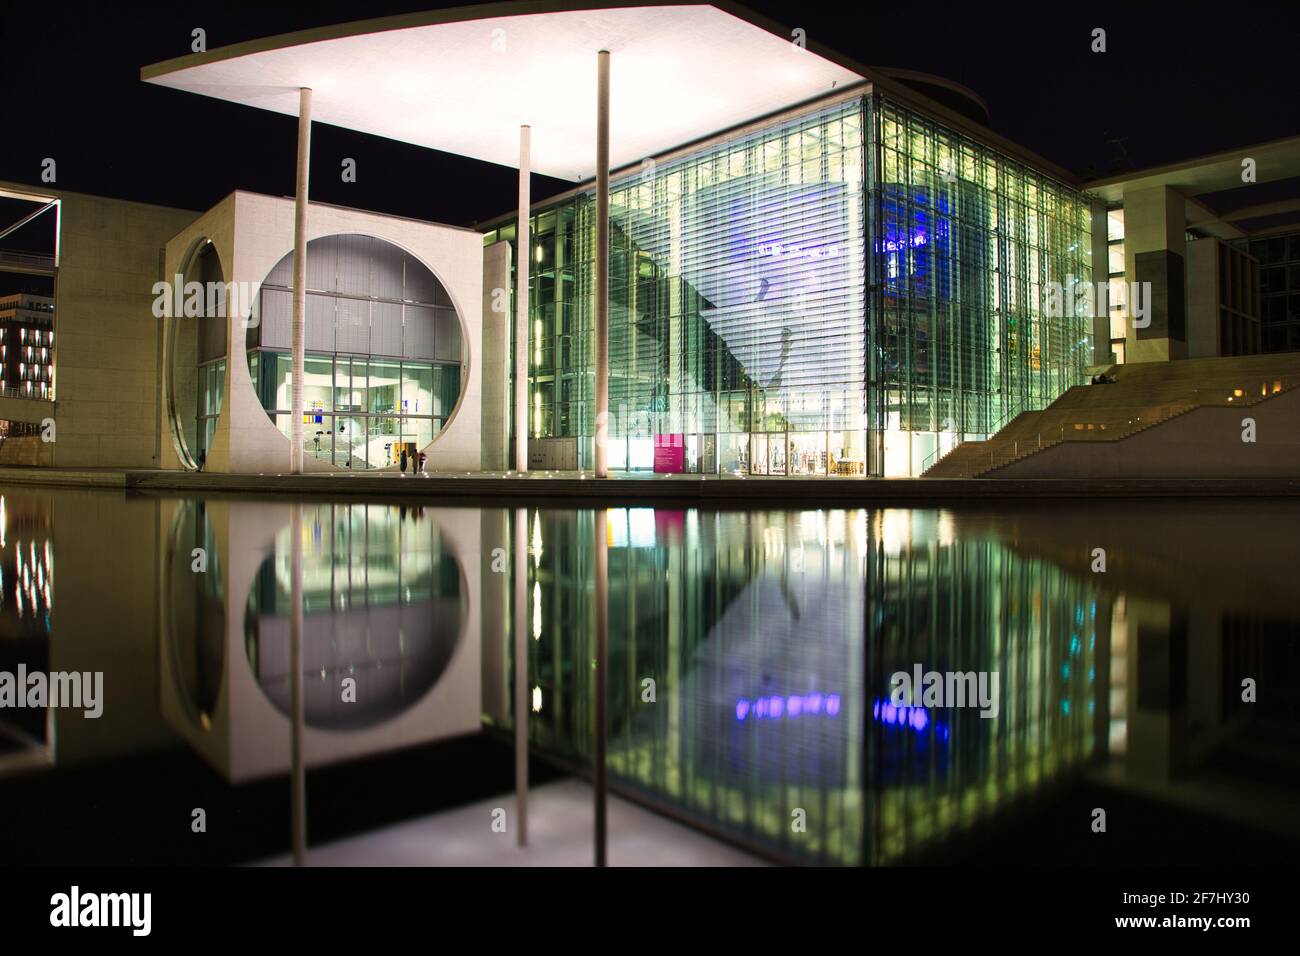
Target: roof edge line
401,21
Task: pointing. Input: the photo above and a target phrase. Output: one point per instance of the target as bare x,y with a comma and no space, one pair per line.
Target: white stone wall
252,234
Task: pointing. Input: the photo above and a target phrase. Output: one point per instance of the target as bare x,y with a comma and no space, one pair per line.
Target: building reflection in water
749,653
26,604
383,605
388,658
771,638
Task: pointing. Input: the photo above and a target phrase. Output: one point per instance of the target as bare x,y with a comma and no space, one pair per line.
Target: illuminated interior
384,355
743,335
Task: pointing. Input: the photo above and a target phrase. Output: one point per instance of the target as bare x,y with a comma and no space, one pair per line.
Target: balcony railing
16,260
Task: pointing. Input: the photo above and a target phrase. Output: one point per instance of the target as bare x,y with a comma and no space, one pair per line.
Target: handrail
1035,443
1153,415
998,425
18,257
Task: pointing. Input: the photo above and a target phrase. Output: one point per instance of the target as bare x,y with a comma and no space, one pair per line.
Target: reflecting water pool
355,682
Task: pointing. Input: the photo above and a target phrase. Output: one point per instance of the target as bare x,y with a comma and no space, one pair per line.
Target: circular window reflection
196,612
384,603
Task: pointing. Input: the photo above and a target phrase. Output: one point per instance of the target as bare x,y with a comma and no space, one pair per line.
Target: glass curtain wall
752,333
968,244
737,306
359,412
211,387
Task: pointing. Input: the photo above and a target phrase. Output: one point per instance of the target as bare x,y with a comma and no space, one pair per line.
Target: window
384,366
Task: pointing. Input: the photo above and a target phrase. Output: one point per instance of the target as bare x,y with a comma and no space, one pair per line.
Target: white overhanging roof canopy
465,80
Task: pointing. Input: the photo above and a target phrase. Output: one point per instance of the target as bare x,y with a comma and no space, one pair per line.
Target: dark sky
1175,83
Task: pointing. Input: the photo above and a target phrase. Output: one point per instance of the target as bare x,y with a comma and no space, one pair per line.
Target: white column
299,337
602,263
524,253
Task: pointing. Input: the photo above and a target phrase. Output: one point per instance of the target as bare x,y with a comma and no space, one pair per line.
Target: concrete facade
107,342
252,233
1155,250
1206,442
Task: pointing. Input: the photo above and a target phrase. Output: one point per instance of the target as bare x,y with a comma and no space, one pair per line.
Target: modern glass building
841,290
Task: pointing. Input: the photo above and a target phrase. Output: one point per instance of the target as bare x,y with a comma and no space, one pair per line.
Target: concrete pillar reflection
520,630
601,643
298,784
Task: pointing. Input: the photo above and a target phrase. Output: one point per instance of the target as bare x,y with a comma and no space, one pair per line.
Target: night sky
1176,82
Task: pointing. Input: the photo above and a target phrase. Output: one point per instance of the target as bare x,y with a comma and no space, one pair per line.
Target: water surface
749,664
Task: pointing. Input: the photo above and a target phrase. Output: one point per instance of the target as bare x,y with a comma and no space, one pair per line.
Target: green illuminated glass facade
838,292
772,639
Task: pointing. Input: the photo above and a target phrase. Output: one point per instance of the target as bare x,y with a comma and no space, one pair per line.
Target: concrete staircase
1143,395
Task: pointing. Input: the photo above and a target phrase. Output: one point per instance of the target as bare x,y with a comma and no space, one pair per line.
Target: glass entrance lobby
358,412
384,361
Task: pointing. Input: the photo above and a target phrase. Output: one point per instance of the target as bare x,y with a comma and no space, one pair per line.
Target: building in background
1278,259
101,258
1216,239
27,345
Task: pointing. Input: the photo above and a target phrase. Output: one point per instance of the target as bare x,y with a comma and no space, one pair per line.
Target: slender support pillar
601,636
521,674
298,785
299,336
525,257
602,264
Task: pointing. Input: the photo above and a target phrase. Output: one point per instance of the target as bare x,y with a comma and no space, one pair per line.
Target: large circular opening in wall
385,363
196,351
384,606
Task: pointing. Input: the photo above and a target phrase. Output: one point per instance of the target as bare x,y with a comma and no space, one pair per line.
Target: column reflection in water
771,638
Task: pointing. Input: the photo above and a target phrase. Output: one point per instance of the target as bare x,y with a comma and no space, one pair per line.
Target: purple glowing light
790,707
917,719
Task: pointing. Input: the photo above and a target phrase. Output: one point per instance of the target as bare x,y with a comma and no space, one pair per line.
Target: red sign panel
670,454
